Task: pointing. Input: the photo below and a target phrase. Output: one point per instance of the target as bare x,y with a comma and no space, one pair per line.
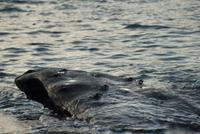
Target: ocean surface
157,41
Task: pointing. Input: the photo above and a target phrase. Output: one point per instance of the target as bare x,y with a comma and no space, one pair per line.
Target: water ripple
118,56
4,33
39,44
66,7
140,38
141,26
11,9
15,50
46,31
174,58
23,1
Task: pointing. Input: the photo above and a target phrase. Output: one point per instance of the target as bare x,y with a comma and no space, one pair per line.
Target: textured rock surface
108,102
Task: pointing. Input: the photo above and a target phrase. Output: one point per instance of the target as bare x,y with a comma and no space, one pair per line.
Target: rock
109,102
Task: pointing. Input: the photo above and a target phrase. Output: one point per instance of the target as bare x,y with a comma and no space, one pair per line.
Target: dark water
154,40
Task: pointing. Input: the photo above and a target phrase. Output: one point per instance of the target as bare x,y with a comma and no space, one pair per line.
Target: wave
11,9
141,26
23,1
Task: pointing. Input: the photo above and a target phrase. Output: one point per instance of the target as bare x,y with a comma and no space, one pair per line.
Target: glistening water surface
154,40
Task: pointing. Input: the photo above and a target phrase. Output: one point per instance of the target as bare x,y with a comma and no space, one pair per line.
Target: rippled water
154,40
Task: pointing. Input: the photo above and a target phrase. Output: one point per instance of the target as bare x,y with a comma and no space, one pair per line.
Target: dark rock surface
106,101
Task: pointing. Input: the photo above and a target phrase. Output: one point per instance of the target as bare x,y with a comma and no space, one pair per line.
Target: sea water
156,41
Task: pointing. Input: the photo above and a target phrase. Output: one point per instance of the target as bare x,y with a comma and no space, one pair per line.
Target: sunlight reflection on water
9,124
156,41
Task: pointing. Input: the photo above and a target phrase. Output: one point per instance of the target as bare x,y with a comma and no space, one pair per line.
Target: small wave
46,32
93,49
150,46
118,56
4,33
15,50
23,1
174,58
140,26
2,75
39,44
182,32
77,42
66,7
84,48
41,49
11,9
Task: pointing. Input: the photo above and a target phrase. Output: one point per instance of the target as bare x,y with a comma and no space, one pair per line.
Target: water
157,41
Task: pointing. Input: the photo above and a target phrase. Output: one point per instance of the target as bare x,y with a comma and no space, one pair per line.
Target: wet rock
109,102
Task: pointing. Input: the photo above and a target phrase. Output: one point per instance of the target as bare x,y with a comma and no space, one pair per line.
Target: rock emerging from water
60,89
111,102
